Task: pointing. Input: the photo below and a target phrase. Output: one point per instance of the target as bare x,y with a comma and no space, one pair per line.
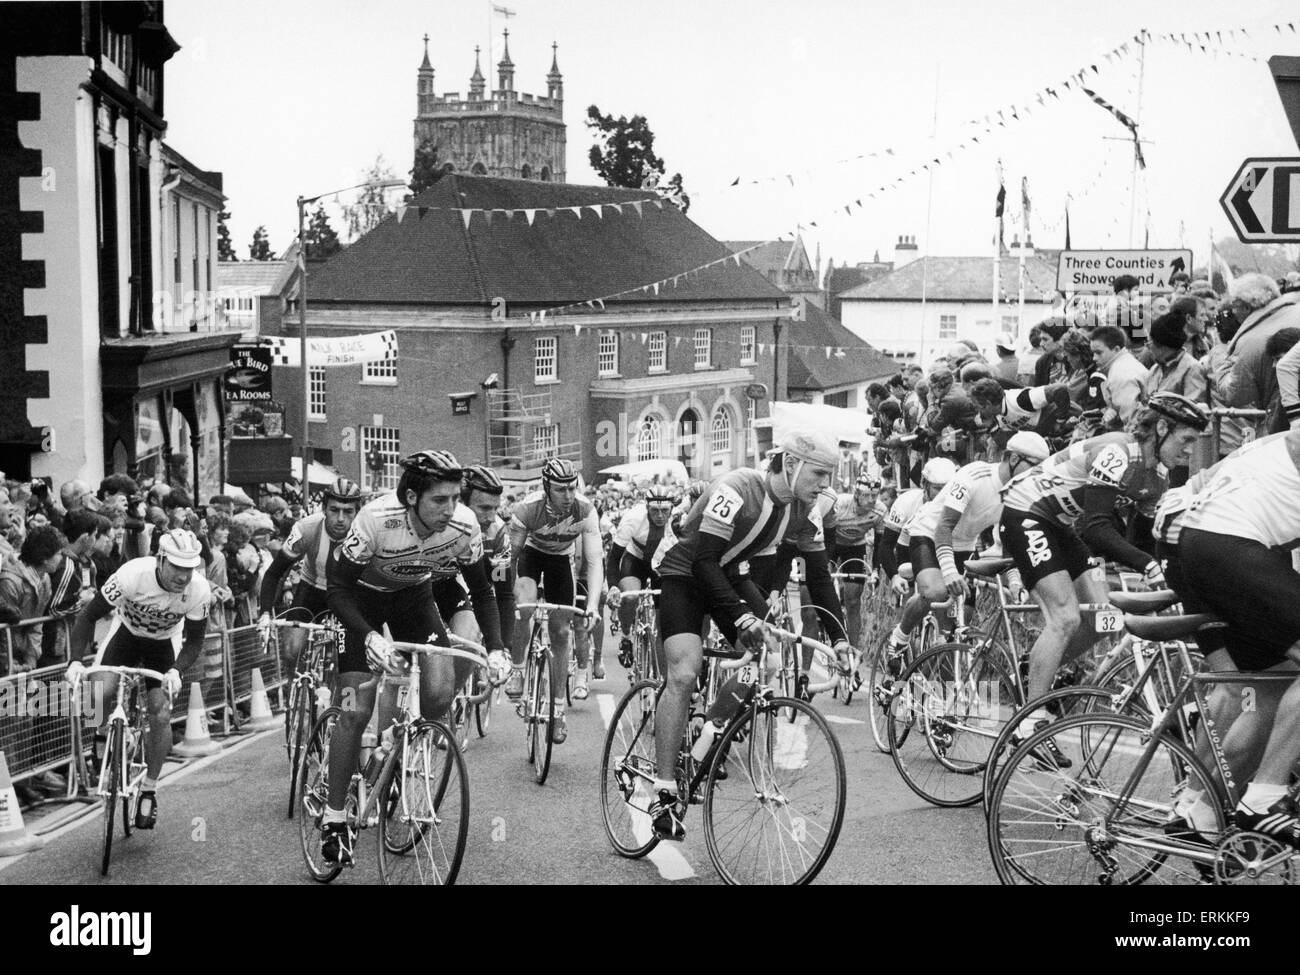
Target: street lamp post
302,318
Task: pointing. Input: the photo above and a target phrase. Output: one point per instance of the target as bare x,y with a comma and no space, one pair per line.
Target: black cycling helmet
1178,409
559,471
865,480
441,464
349,492
480,477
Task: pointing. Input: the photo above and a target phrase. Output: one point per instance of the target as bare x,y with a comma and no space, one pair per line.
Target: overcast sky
298,96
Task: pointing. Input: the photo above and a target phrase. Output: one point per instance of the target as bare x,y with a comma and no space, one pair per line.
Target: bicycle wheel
777,815
950,707
313,792
424,823
297,727
458,716
1049,825
568,680
627,771
543,710
135,766
483,710
113,788
788,676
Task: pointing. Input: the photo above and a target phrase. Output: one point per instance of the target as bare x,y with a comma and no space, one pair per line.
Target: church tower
498,133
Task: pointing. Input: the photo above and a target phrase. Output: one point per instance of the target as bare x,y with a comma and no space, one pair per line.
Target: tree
260,248
427,170
225,249
371,206
623,155
320,239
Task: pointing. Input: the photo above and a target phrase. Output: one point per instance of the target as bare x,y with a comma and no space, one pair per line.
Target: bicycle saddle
988,568
1143,602
1170,627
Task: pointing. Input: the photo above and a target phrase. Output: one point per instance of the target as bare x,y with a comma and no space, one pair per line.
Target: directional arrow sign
1263,201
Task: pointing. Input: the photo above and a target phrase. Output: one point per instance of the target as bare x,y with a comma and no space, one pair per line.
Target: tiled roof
436,259
767,256
812,369
958,279
252,277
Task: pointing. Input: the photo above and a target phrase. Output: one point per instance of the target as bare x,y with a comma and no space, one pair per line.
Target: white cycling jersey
975,491
1253,495
904,510
148,610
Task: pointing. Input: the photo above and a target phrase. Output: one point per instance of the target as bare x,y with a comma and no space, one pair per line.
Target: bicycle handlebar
297,625
123,671
1252,414
554,608
434,650
638,593
464,644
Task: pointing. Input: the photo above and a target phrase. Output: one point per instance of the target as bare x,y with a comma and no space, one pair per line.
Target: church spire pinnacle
477,83
506,67
555,63
425,65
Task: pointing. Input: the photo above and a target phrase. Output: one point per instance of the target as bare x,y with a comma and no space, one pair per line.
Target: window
546,441
658,352
148,80
316,401
982,323
747,345
649,439
721,432
947,326
544,359
117,48
703,348
176,246
387,441
207,254
194,258
384,372
607,356
840,399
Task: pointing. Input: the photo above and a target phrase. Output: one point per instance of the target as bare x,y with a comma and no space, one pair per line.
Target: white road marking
95,809
839,719
667,857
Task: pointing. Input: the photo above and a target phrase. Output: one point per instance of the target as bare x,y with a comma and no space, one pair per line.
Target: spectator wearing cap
1051,367
1173,370
25,589
1255,301
73,581
1124,375
1008,364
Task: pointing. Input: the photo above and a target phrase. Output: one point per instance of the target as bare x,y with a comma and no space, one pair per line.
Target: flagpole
997,244
929,198
1137,120
1024,245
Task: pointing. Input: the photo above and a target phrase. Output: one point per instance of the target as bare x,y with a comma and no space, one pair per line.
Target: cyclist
893,545
1080,485
743,513
856,516
639,536
1237,539
543,530
317,535
153,599
946,531
398,567
481,493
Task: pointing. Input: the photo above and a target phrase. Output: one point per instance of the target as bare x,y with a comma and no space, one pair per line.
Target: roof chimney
905,252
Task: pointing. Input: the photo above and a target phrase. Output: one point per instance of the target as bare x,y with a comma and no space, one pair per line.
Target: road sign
1093,271
1263,201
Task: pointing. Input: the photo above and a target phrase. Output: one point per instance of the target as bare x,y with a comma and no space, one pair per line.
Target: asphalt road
222,820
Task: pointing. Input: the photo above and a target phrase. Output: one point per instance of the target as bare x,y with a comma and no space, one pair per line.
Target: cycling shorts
638,569
451,598
555,572
682,608
925,555
412,617
125,649
1041,547
308,597
853,558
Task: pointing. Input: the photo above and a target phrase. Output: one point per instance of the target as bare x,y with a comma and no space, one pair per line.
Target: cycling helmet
938,470
440,464
1178,409
181,547
811,446
865,480
1030,446
343,490
660,493
559,471
480,477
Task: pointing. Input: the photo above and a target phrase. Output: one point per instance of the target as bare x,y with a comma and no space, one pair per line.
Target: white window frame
389,442
657,360
546,367
607,355
946,321
747,348
651,422
381,373
703,341
725,428
546,440
316,400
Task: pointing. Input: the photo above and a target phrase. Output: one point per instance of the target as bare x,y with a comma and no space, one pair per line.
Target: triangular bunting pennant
576,328
530,215
466,215
401,212
576,211
550,211
510,214
656,287
644,337
636,205
618,208
760,348
487,215
597,211
659,204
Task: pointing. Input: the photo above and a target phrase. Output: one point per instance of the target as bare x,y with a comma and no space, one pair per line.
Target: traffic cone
197,740
15,838
259,708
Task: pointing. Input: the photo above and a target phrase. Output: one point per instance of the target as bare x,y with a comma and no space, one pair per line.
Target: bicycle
123,768
851,680
536,705
419,771
306,699
471,697
644,635
755,763
1109,817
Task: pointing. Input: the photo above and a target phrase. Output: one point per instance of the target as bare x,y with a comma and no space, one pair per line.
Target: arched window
479,169
721,432
650,439
526,171
546,174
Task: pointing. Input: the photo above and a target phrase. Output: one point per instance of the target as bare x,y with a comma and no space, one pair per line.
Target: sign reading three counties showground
1093,271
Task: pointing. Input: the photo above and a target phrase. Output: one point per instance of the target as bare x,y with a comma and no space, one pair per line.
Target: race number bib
723,506
1108,467
1109,621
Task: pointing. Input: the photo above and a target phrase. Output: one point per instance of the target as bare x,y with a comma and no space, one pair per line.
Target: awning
238,494
322,474
644,470
840,423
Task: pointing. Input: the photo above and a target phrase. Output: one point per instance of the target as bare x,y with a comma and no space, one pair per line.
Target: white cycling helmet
812,446
1030,446
181,547
938,470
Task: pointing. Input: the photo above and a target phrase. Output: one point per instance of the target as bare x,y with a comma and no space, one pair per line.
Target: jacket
1185,376
27,592
1254,381
1124,378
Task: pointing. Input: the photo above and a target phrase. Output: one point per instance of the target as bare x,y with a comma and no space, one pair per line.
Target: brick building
670,372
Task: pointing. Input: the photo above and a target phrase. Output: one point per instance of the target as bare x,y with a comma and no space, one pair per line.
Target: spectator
242,566
1008,364
1124,375
7,551
846,473
25,588
178,512
1218,370
1086,384
73,580
218,578
951,418
222,503
1278,347
1181,282
1255,301
897,387
1173,370
1194,313
73,495
1051,367
1288,386
1120,312
1029,360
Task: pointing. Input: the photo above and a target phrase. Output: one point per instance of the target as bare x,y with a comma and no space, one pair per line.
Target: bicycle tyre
313,791
627,825
1067,790
879,700
422,852
131,803
483,711
113,760
300,713
760,728
543,718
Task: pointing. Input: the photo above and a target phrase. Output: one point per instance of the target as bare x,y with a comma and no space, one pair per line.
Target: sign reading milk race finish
1093,271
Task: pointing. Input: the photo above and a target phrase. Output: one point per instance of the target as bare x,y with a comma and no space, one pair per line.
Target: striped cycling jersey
741,508
1055,488
309,541
975,491
639,536
854,527
1168,527
148,610
496,541
903,511
1253,495
383,540
549,531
